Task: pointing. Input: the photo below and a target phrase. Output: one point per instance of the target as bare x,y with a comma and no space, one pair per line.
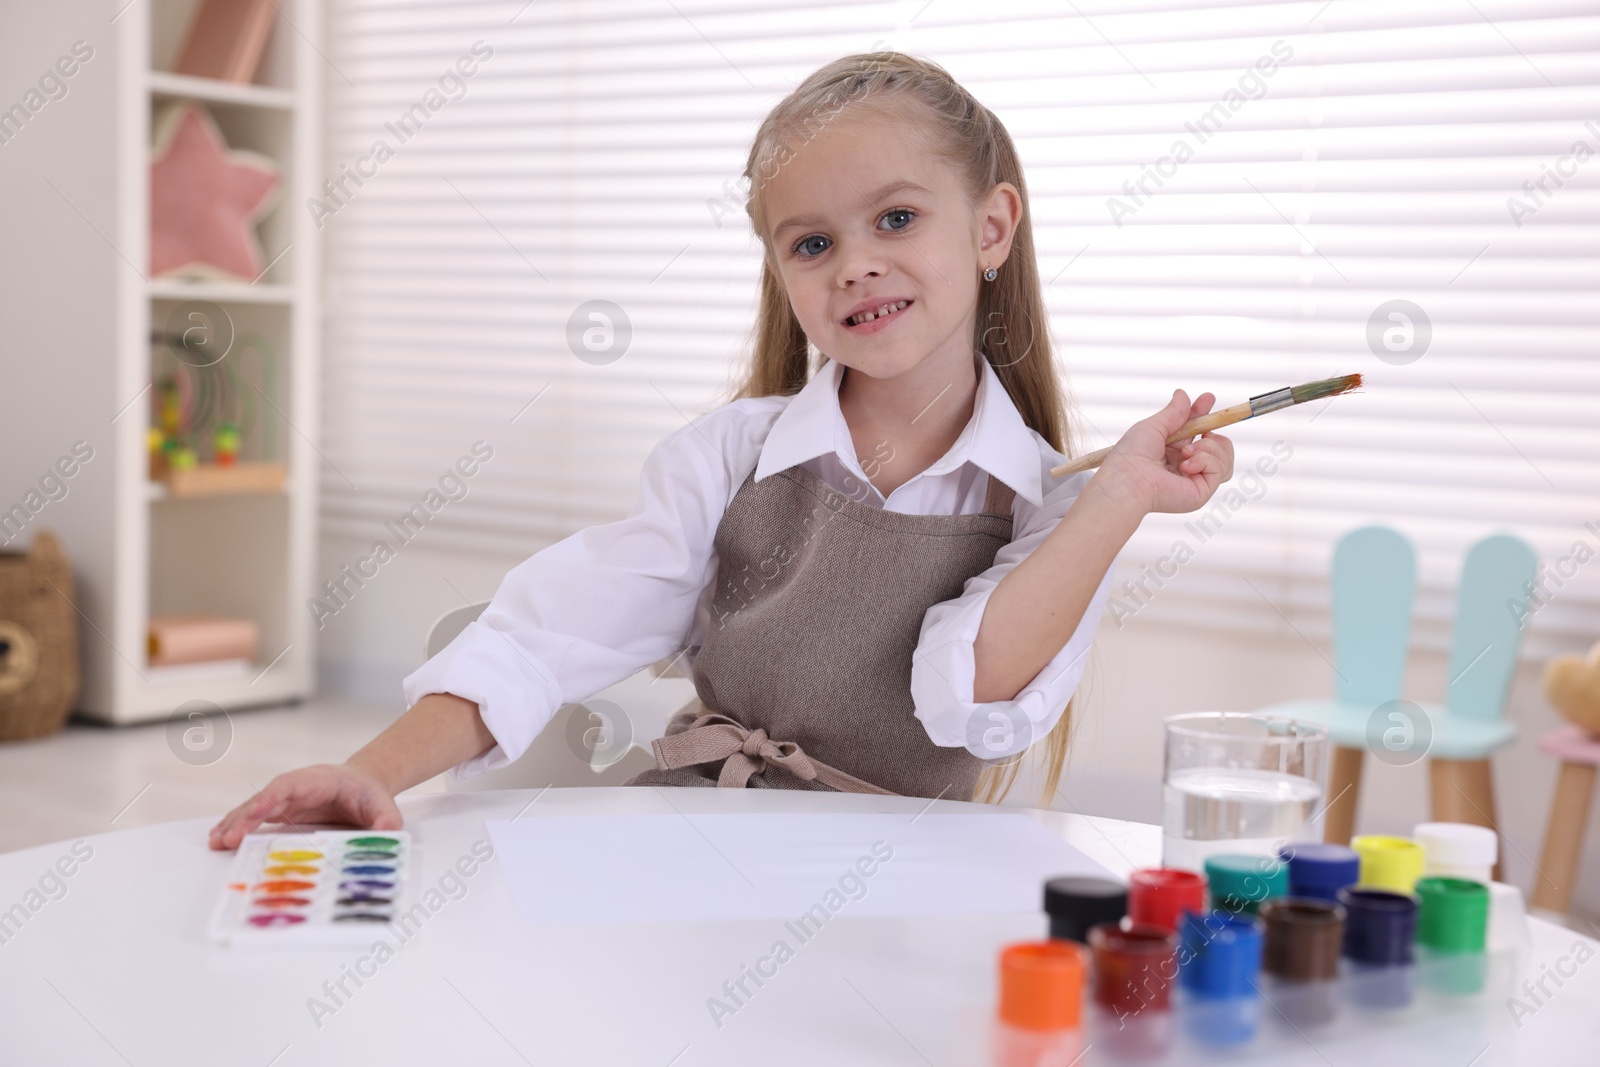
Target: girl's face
863,216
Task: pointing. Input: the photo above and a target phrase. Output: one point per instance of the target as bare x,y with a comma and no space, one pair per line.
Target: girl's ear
998,217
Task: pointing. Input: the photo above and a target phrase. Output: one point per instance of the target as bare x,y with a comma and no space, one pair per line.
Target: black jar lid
1075,904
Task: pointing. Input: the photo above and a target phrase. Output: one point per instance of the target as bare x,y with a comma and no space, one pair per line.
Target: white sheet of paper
665,868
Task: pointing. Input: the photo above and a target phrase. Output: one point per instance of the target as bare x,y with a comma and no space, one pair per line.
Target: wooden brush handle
1212,420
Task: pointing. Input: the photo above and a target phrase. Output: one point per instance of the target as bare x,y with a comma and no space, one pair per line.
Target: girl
874,578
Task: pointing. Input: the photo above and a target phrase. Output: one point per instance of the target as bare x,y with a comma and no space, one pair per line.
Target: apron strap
716,737
998,499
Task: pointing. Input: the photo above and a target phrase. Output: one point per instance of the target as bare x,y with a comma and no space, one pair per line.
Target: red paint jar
1159,896
1135,966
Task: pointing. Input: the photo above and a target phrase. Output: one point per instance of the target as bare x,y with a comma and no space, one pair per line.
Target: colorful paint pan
276,918
319,887
357,885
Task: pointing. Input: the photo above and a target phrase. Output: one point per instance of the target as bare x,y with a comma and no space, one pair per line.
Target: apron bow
744,751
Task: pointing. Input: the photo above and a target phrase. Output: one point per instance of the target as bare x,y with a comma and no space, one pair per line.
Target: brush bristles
1325,387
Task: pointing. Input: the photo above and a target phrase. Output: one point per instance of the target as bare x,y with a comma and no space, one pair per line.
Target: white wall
377,638
1142,672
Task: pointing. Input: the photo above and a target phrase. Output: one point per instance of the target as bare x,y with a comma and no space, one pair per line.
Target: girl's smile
874,317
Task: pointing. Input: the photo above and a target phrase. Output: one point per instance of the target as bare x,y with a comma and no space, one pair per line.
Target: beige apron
804,678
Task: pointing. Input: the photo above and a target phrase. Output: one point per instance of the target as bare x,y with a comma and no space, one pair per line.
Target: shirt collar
995,439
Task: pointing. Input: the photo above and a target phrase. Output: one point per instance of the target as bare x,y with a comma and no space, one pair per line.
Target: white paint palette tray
323,887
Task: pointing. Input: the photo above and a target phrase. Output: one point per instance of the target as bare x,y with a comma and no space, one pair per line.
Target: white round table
111,965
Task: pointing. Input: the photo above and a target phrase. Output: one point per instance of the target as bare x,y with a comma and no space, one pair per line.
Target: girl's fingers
1197,456
1213,456
228,835
269,806
1175,409
1201,406
276,803
238,823
1222,449
319,794
1204,463
232,819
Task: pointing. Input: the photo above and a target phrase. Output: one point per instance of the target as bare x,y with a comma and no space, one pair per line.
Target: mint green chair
1373,579
1483,657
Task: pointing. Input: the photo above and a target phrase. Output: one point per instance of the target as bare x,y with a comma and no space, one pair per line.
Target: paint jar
1039,1022
1075,904
1135,966
1379,927
1304,940
1219,964
1462,850
1458,850
1508,919
1392,863
1159,896
1242,883
1452,929
1320,870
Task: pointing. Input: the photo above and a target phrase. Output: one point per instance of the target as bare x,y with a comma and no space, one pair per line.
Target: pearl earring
988,275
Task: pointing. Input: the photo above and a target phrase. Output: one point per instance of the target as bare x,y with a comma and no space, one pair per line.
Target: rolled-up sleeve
943,668
599,605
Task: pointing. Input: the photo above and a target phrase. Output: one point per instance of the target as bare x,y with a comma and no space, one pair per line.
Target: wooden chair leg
1563,838
1463,791
1344,793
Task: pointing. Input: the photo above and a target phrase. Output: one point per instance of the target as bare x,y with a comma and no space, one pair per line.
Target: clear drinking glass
1238,782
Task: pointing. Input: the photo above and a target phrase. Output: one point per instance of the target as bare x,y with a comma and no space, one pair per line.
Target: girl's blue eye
800,244
805,240
900,211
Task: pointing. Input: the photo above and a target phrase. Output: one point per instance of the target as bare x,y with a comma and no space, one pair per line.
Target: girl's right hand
1176,477
323,793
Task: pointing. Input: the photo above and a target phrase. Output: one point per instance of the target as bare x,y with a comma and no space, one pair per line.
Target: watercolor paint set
323,887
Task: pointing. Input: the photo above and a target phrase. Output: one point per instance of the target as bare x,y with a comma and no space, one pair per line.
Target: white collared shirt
609,600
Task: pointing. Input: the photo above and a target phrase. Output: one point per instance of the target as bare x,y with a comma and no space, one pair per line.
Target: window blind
1226,197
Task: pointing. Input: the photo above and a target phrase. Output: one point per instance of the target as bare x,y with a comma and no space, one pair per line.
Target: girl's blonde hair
1011,329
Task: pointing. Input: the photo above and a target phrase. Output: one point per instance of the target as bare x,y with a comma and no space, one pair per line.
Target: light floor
90,779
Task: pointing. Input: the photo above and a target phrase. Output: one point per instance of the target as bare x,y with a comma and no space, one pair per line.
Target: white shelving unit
85,358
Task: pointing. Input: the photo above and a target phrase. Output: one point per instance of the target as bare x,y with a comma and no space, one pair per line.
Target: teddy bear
39,669
1572,685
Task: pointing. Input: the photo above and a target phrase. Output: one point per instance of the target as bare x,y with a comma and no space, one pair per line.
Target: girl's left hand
1171,478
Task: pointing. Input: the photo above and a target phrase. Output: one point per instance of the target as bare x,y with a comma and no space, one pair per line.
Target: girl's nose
857,262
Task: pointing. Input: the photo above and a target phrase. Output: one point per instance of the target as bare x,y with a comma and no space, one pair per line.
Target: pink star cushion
205,200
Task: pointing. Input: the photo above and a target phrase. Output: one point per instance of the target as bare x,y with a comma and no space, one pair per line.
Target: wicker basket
39,673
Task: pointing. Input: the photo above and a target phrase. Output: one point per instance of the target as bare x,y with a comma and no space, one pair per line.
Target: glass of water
1238,782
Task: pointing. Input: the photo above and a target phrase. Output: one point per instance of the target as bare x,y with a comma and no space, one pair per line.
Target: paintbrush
1288,396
